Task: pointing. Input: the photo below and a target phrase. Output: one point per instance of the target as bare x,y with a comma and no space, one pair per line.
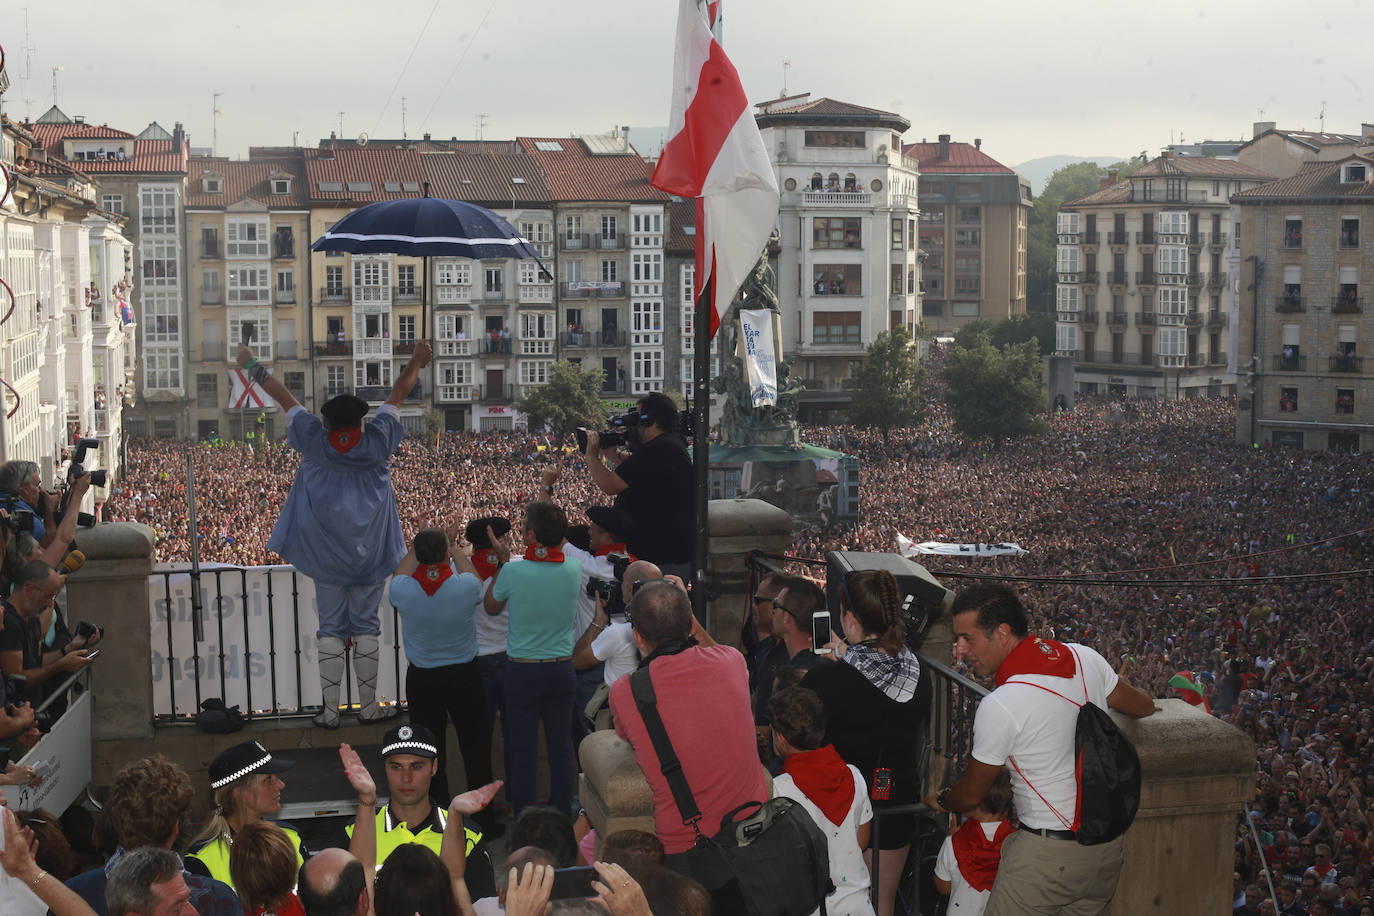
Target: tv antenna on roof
786,65
1321,117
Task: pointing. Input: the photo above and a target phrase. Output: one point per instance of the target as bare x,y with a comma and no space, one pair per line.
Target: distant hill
1038,171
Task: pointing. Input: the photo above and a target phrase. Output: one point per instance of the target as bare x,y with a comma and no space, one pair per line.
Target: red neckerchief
824,779
487,563
619,548
345,439
432,575
1034,655
541,554
977,855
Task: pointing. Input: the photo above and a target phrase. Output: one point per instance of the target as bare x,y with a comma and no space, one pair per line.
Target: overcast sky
1030,78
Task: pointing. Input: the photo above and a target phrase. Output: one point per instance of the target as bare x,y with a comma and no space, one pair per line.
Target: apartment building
847,263
1146,294
142,177
1305,326
67,339
1282,153
611,226
974,217
247,254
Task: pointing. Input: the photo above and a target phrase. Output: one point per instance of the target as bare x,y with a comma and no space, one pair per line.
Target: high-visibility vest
214,855
391,834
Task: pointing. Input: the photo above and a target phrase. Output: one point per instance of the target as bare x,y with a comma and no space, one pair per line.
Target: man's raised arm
274,388
410,374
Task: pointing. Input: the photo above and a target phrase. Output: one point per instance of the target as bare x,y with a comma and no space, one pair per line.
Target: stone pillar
737,527
111,590
612,787
1198,774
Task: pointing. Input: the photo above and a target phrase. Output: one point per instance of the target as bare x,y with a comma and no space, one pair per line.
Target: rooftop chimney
1104,183
426,136
1367,132
178,136
1262,126
978,143
944,146
1111,175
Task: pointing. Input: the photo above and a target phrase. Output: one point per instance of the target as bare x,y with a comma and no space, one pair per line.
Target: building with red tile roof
1304,319
1280,152
975,215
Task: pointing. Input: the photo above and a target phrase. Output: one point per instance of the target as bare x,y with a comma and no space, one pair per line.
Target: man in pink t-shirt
703,699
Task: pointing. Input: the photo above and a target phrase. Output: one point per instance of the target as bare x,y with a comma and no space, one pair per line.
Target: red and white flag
245,393
715,154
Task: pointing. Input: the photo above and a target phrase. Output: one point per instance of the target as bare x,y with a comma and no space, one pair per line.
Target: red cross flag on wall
244,393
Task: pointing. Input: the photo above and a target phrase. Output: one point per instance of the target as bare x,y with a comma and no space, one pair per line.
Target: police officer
410,758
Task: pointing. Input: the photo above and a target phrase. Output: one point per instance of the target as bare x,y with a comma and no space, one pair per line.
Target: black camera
18,519
624,431
76,469
608,590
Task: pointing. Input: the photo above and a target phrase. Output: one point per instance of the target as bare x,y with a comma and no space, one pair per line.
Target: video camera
625,430
99,478
608,590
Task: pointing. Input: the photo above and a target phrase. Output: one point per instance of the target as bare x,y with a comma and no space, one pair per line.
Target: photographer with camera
653,485
21,649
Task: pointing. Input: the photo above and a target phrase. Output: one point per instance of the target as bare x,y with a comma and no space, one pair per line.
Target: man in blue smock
339,525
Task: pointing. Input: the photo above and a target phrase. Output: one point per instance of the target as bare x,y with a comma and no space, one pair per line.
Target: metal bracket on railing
17,399
10,310
9,183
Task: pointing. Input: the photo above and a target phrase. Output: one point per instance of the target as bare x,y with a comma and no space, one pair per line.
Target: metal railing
1347,364
1290,363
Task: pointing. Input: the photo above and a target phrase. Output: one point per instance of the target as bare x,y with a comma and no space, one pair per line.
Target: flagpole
701,457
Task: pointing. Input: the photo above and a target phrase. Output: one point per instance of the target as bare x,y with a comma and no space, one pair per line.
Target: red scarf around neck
619,548
977,855
541,554
823,777
345,439
432,575
487,563
1034,655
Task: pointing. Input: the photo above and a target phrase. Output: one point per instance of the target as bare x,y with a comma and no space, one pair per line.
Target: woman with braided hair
873,713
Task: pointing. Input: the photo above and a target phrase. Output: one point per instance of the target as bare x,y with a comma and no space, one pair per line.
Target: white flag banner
907,548
245,393
756,340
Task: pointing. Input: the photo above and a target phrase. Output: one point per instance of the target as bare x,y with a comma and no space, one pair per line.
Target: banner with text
62,757
760,359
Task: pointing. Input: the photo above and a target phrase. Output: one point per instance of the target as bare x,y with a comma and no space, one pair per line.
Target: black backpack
1106,772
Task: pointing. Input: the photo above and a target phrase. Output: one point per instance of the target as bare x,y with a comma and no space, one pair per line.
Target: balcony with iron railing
1145,237
1089,277
453,347
1347,364
1116,277
1089,239
283,248
493,394
333,348
1197,359
1118,319
407,293
334,294
1118,358
1195,280
284,297
496,346
212,295
611,385
1286,363
1145,319
1196,240
611,242
1287,304
1193,320
1118,238
1216,318
1146,278
578,339
1218,240
1345,305
211,250
1088,318
371,295
1218,281
612,337
402,347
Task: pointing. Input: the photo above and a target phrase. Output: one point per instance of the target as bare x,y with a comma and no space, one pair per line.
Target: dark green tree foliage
992,392
1067,184
1017,329
571,398
887,391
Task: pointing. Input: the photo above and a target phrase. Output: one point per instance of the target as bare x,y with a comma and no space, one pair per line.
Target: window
210,292
534,371
1345,400
453,378
646,267
964,309
968,238
114,203
837,232
162,369
1173,300
933,217
646,323
530,273
334,380
1172,259
1292,286
333,281
371,273
207,389
286,287
212,184
1292,232
1173,222
966,286
837,280
405,329
260,320
845,139
608,228
897,242
281,185
246,237
405,279
1066,338
972,263
1066,223
609,271
836,328
898,284
372,374
247,285
572,228
1068,259
970,214
159,262
453,273
536,333
295,383
1352,173
1288,399
1147,189
1350,233
647,368
1173,345
1066,297
572,271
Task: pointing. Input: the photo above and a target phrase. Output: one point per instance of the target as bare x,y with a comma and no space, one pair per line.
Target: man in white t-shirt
609,644
1022,724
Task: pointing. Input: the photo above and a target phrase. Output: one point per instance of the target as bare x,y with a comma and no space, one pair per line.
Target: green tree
1018,328
571,398
991,392
434,424
967,336
887,392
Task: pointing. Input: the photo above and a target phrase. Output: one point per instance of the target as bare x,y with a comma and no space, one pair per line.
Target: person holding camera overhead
653,485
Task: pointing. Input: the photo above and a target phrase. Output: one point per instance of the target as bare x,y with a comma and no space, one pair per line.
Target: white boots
330,652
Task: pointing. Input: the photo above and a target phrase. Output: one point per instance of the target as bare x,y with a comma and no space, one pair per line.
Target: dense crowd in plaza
1129,491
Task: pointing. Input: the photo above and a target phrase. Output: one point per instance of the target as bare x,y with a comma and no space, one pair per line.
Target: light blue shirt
541,599
339,524
438,629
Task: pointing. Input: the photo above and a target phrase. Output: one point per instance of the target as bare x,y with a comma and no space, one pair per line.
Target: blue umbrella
426,227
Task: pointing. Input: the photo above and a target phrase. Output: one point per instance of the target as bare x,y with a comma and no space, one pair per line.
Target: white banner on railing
760,357
63,755
262,649
907,548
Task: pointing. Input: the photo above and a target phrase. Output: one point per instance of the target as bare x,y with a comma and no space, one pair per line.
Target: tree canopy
994,392
571,398
887,391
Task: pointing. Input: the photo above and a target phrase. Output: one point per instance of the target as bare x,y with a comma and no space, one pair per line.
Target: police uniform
248,758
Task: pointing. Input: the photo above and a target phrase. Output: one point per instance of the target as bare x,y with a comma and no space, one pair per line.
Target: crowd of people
1152,536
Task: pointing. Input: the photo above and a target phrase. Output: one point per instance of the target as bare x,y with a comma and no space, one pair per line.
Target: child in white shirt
968,860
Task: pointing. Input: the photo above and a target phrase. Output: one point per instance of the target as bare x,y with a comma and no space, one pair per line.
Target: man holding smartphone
794,612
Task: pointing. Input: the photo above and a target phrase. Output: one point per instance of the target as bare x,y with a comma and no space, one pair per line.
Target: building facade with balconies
847,265
974,228
1305,331
1146,293
247,250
